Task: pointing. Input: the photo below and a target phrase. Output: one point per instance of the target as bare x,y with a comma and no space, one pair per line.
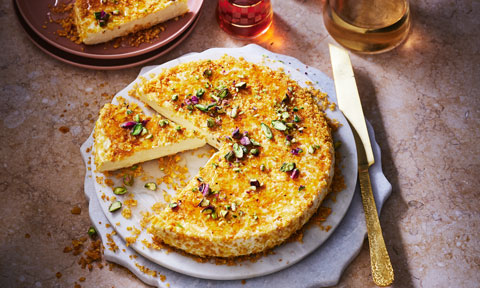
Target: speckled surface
422,100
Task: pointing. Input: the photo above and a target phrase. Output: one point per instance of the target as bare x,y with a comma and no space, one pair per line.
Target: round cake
274,162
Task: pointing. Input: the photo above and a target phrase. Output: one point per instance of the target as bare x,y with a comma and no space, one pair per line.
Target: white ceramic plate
286,254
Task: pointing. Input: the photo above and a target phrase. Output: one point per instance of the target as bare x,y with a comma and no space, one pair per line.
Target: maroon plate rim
33,15
100,64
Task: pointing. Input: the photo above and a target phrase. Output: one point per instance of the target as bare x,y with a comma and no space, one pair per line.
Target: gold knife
349,103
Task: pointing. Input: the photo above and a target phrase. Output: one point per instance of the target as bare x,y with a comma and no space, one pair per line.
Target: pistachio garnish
287,166
238,150
267,131
151,186
128,179
115,206
119,190
241,85
91,231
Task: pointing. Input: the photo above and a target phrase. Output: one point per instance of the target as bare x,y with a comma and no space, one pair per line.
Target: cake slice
103,20
124,136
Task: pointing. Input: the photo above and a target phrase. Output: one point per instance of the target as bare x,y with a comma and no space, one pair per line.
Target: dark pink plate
36,14
101,64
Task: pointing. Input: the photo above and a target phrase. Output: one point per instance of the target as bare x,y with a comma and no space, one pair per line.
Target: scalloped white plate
286,254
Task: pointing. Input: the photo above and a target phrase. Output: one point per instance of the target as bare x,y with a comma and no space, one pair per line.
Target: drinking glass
244,18
367,26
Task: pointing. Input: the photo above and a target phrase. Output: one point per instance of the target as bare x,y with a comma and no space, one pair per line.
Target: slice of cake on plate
100,21
124,136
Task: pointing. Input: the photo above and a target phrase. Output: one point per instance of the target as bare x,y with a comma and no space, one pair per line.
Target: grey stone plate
322,267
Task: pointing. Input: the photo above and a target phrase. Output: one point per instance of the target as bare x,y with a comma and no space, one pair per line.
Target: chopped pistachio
144,131
301,187
223,93
297,119
115,206
129,111
149,136
234,206
210,122
163,122
285,115
255,143
214,97
128,179
200,92
241,85
204,202
223,213
262,167
295,109
175,97
215,165
119,190
311,150
134,167
136,118
201,107
214,215
279,125
254,151
151,186
178,128
137,129
208,210
290,125
91,231
196,77
236,169
238,150
267,131
287,166
233,112
173,205
207,72
230,156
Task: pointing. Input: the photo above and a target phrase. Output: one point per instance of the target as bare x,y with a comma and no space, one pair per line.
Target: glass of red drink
244,18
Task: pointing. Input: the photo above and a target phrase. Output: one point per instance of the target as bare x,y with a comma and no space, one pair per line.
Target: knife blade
350,105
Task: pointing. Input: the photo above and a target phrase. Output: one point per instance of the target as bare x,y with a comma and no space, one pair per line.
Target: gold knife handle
382,270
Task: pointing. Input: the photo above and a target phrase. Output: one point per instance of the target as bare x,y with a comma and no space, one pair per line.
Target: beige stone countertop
423,100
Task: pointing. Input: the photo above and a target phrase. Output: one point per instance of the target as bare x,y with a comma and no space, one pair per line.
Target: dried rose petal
245,141
296,151
236,133
295,173
128,125
194,99
204,188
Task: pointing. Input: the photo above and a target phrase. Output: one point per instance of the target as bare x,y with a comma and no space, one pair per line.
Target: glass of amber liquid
367,26
244,18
